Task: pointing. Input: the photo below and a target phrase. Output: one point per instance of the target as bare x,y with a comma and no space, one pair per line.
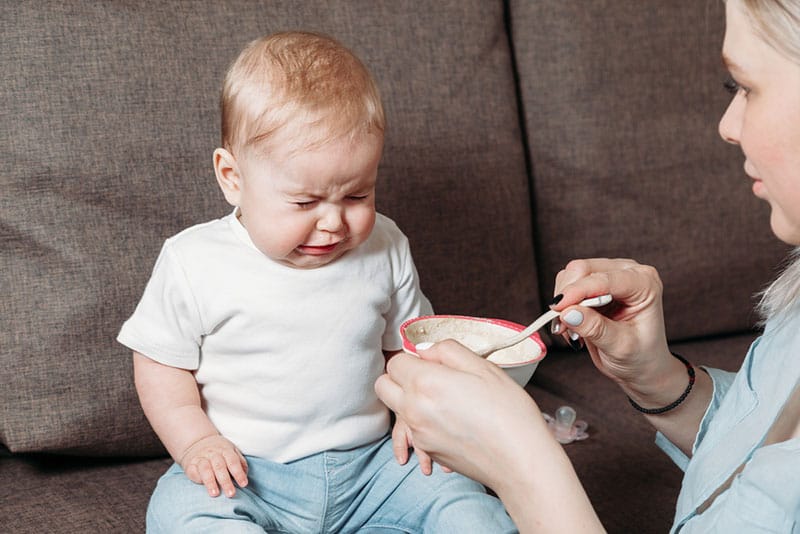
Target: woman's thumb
592,326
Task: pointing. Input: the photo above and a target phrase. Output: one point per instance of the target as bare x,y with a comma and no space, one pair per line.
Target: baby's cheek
363,221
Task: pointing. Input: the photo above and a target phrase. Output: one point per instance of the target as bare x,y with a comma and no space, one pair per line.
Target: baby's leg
180,505
405,500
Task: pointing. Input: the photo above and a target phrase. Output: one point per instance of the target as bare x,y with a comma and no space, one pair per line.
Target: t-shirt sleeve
408,301
166,325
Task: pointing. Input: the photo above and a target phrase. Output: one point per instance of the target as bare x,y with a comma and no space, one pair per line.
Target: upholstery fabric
620,105
108,151
51,494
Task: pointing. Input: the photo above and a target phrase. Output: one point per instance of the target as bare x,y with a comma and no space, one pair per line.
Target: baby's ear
228,177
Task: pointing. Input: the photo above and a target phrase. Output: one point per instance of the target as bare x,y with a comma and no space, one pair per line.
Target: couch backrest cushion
110,118
621,103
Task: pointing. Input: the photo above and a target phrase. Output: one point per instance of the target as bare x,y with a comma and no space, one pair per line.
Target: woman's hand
463,411
215,462
470,416
626,340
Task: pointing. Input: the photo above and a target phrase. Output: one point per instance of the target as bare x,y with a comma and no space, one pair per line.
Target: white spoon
545,318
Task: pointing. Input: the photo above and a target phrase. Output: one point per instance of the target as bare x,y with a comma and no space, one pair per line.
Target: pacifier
564,426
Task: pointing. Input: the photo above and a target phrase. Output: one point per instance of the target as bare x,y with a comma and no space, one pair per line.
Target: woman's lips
758,185
758,188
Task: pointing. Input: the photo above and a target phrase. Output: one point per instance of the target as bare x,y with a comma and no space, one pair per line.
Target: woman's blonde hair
304,79
777,22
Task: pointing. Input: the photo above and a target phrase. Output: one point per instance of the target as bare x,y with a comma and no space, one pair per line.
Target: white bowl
519,361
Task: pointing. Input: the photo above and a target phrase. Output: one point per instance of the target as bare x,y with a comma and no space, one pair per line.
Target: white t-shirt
285,358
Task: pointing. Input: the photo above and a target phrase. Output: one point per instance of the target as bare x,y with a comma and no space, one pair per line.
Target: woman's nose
730,125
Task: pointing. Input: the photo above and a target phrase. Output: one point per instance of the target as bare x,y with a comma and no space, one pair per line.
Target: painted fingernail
573,318
557,299
575,344
555,326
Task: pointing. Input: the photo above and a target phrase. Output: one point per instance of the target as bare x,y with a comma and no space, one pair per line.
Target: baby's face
306,208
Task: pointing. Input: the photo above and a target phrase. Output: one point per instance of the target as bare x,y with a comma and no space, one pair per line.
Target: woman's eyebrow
729,63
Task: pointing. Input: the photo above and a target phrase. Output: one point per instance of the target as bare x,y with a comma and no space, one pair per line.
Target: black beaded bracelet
656,411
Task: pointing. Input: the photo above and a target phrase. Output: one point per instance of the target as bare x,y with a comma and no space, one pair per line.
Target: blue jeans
361,490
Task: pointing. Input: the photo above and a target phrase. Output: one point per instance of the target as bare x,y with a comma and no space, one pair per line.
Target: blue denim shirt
765,495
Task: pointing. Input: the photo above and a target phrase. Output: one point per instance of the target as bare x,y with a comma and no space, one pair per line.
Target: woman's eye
358,197
304,203
733,87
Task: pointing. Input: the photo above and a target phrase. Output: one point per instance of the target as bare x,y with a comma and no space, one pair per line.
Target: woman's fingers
629,283
388,388
626,337
456,356
406,371
577,269
635,289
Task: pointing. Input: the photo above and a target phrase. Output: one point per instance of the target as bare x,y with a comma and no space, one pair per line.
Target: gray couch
521,134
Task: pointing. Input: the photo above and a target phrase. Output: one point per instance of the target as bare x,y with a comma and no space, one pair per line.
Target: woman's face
764,119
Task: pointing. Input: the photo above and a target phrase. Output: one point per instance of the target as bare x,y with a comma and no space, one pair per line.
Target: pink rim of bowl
409,347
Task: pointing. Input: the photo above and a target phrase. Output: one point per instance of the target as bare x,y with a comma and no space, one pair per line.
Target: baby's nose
332,219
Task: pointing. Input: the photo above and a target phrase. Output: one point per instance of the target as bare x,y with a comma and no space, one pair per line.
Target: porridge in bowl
519,361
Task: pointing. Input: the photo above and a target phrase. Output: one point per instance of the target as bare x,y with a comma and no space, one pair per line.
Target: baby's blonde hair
304,79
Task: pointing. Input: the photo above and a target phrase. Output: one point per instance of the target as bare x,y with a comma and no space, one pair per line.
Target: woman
737,436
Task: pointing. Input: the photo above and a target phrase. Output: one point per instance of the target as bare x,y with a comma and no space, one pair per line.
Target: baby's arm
171,401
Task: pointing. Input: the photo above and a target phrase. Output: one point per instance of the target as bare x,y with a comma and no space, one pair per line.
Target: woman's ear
228,176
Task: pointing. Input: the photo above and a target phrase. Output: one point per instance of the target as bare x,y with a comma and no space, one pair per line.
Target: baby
260,335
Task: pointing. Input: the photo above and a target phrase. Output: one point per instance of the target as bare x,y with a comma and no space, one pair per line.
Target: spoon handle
518,338
545,318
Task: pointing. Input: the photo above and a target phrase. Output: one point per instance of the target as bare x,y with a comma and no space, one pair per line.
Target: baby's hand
211,462
402,441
